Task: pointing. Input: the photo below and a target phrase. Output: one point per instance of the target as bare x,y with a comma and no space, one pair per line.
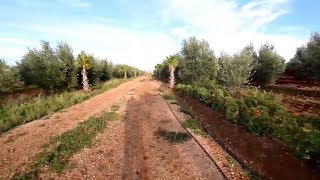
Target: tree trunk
135,73
85,82
171,69
125,74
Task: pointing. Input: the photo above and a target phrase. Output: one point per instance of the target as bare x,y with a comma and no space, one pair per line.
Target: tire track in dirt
148,156
15,153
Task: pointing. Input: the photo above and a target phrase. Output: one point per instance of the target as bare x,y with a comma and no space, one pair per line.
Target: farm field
168,90
136,144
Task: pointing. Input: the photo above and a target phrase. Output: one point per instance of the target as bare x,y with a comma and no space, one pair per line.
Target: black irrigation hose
214,162
244,166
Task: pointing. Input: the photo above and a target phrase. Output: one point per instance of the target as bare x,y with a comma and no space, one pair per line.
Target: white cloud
229,26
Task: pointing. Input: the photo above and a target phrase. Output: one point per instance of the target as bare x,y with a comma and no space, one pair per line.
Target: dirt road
130,148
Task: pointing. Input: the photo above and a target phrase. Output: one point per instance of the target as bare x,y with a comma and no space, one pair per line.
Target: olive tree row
197,63
306,62
57,68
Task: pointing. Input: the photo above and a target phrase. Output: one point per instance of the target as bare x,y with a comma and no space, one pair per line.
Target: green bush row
40,106
261,113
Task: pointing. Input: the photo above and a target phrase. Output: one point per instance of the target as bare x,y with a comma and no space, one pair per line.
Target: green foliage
261,113
59,150
123,70
237,70
172,61
65,54
161,71
57,69
9,77
270,65
169,97
45,68
299,66
195,126
15,115
306,62
84,60
197,61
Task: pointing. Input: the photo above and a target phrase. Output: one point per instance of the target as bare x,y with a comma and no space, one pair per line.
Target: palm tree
84,61
125,68
172,62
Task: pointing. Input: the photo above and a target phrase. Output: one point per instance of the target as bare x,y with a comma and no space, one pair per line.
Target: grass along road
37,107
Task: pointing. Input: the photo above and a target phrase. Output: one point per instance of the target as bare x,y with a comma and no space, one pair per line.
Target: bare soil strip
20,145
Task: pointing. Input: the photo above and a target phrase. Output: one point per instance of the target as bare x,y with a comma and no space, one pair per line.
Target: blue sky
143,32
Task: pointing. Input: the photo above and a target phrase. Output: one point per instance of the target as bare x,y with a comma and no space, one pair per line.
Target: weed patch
59,150
169,97
231,160
195,126
174,137
185,110
115,107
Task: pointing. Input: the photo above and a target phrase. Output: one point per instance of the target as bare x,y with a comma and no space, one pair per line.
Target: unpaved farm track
28,138
129,148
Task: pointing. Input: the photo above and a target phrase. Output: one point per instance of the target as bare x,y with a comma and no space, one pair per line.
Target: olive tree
197,62
65,54
9,77
270,65
306,62
237,70
44,68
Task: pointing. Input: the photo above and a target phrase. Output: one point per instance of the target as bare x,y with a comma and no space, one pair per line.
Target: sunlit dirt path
129,148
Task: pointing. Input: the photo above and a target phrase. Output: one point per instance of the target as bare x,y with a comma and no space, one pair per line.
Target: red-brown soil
265,156
300,104
294,90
